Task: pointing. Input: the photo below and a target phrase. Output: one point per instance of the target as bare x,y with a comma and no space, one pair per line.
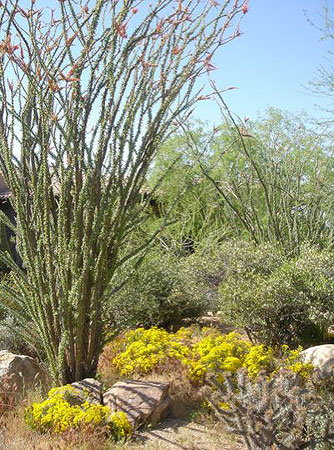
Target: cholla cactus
276,413
88,91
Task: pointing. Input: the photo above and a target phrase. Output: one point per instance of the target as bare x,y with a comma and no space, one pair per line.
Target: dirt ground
186,435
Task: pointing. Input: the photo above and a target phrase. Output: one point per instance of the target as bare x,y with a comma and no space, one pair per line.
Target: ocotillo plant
88,91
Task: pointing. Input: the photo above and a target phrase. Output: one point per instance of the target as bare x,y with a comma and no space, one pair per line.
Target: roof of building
6,193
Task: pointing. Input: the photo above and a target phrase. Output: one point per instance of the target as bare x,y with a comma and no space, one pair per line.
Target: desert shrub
199,352
287,303
62,412
15,340
166,289
154,295
18,334
275,413
204,271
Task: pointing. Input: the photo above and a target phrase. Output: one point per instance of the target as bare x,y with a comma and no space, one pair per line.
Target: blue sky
277,53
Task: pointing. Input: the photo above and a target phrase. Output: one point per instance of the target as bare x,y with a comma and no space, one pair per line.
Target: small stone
89,390
141,401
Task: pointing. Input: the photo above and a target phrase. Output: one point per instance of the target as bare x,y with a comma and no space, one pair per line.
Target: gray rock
322,358
142,401
89,390
160,411
19,372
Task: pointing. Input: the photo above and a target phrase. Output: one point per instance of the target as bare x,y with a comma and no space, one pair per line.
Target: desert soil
181,434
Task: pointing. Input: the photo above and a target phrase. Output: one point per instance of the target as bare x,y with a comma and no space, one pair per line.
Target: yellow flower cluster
61,412
228,354
142,351
259,357
292,361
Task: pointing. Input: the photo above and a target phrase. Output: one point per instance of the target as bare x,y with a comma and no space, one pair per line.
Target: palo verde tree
322,84
271,180
88,91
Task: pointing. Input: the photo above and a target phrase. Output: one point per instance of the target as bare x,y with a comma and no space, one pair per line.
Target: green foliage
204,271
274,413
60,412
322,85
156,294
270,181
197,213
166,288
290,302
278,299
14,335
201,274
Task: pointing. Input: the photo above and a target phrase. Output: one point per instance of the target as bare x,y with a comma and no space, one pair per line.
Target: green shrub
17,334
60,412
291,302
204,271
155,295
276,299
166,289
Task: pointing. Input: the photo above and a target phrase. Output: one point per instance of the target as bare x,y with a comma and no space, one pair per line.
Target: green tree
197,213
269,181
88,92
322,84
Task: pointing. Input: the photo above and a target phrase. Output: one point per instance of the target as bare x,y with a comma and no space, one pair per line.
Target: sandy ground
181,434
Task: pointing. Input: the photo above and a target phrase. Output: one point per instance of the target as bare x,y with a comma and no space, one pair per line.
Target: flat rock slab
322,358
142,401
89,390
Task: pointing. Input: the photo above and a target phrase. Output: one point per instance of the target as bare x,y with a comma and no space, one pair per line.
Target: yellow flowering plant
291,361
62,411
259,357
200,352
216,352
144,350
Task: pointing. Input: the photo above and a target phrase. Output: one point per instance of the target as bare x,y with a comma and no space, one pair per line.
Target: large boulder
89,390
322,358
19,372
142,401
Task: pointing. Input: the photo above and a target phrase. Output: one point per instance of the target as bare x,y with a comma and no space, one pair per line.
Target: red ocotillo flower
207,63
71,39
7,47
121,29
